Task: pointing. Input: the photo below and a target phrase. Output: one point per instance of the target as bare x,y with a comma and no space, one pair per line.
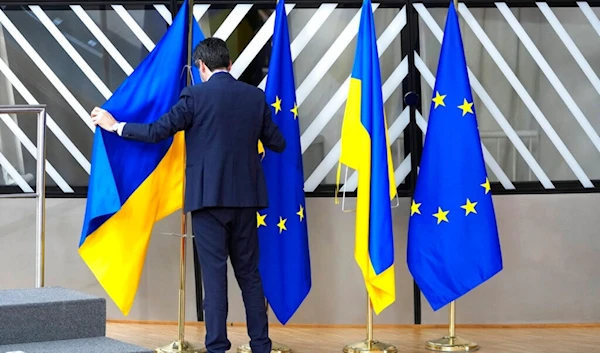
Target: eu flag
453,243
283,237
365,148
133,184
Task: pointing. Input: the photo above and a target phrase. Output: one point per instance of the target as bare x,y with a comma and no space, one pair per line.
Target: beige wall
550,245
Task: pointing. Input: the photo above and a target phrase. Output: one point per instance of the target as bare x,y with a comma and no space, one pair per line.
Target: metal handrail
40,192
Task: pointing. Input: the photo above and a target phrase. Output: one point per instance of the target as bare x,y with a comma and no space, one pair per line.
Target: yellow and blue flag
453,243
365,148
283,235
132,184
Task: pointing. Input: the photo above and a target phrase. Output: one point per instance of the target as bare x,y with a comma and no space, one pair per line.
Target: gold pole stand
275,347
370,345
451,343
180,345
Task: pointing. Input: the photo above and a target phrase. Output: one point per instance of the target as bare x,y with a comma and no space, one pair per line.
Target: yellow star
301,213
281,225
486,185
277,105
260,220
441,215
469,207
295,110
438,99
414,208
466,107
261,149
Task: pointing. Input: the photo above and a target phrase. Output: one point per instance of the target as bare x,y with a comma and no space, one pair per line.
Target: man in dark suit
223,120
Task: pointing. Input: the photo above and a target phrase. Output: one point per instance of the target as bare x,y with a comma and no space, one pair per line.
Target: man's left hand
103,118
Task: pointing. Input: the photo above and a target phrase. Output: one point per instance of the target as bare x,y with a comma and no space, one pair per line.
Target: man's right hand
103,118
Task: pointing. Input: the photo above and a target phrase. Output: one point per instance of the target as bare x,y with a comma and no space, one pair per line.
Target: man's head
211,55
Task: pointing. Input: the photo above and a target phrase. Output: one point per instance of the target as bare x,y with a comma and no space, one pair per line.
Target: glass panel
39,69
72,87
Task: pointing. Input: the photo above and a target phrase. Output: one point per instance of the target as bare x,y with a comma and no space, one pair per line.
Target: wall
549,245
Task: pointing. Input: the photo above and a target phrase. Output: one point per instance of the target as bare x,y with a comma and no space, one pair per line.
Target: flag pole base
175,347
451,344
370,346
275,348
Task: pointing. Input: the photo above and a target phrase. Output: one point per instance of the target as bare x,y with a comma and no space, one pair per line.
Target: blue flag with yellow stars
283,236
453,243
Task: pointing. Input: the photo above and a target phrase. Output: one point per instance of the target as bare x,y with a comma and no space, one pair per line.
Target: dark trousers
219,233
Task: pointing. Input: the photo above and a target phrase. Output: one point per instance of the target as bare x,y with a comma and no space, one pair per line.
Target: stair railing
40,191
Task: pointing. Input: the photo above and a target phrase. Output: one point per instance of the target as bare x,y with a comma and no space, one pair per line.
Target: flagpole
369,344
275,347
180,345
451,343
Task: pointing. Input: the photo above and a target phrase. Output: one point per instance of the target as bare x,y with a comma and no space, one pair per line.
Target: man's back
223,164
223,120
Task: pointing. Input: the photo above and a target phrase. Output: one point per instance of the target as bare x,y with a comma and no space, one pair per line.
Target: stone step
50,314
81,345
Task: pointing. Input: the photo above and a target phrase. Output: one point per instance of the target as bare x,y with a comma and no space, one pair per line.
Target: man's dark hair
213,53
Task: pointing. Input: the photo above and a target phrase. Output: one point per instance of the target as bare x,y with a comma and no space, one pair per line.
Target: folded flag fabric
133,185
453,243
365,148
282,227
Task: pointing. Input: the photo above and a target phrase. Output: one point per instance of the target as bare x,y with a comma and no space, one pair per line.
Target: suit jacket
223,120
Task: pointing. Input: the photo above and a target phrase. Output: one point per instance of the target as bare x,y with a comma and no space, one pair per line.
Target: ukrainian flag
365,148
282,227
453,243
133,185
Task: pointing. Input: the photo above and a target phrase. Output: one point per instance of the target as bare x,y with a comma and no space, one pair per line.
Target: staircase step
81,345
49,314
